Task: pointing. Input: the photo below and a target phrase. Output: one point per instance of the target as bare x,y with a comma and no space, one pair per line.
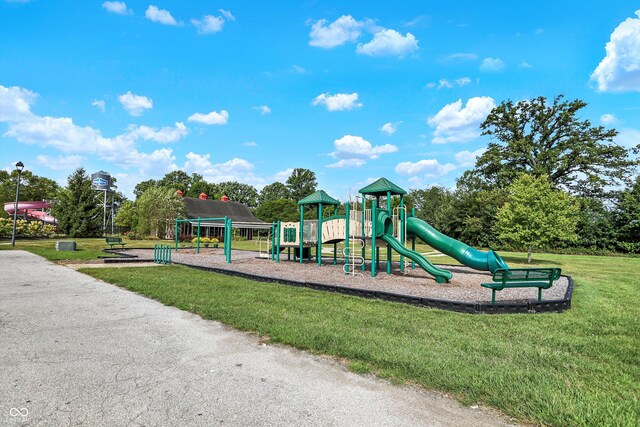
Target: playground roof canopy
239,213
319,197
381,187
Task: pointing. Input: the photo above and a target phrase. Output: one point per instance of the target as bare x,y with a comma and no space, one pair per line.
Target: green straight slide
384,230
440,275
465,254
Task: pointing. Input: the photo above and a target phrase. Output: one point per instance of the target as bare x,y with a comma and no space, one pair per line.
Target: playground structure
374,220
370,221
32,211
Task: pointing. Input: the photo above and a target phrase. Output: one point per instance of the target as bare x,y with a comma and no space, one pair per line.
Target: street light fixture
19,168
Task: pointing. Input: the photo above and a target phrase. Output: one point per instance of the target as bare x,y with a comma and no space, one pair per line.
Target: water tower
101,181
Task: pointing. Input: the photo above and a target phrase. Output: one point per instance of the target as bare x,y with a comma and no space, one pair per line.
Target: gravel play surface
464,286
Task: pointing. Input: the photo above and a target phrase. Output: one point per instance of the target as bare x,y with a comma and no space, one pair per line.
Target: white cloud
213,118
236,169
298,69
209,24
446,84
57,163
250,144
389,43
353,151
524,64
459,57
342,30
338,102
15,103
619,71
161,16
468,158
163,135
282,176
628,137
135,104
63,134
607,119
118,7
264,109
389,128
491,65
227,15
456,124
427,167
99,104
347,163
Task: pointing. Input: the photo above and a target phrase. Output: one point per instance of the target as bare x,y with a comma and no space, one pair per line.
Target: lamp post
19,167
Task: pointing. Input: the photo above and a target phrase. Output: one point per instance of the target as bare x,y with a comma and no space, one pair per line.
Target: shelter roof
319,197
381,187
198,208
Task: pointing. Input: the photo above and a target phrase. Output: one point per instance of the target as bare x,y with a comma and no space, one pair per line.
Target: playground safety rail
162,254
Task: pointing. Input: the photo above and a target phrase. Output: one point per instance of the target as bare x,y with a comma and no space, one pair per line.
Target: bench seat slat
505,278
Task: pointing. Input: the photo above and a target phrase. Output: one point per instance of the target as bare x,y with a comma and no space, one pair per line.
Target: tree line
547,180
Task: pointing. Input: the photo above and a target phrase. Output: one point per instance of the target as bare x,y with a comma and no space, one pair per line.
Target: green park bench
541,278
113,241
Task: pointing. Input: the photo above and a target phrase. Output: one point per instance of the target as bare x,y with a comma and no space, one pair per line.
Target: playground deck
464,287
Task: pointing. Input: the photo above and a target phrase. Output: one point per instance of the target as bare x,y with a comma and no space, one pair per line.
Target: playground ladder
350,257
268,244
396,222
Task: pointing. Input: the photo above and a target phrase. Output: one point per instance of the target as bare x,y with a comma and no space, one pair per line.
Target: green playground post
364,206
335,253
402,236
413,240
198,244
229,225
390,212
319,247
301,231
278,242
346,232
176,235
373,238
273,241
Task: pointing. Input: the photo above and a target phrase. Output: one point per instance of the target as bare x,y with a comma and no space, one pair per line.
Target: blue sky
248,90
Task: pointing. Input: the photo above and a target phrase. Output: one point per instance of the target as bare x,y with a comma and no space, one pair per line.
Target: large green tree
156,210
627,218
279,209
143,186
239,192
301,183
274,191
548,138
434,205
78,208
536,215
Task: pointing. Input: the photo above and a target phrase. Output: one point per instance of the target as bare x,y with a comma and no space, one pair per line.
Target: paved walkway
79,351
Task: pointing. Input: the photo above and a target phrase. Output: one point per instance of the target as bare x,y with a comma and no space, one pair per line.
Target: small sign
100,182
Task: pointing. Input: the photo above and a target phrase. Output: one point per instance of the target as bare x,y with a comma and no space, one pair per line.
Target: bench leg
539,294
493,296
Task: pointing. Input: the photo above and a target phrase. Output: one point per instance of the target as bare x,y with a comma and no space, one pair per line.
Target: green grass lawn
87,249
581,367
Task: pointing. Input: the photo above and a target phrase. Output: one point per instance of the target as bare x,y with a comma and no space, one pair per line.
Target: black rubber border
551,306
530,307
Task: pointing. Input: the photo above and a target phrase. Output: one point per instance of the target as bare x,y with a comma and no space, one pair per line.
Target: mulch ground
464,286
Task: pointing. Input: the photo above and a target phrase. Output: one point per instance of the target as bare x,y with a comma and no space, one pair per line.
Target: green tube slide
384,230
465,254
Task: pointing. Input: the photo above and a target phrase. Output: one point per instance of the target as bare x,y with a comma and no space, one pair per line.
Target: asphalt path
77,351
